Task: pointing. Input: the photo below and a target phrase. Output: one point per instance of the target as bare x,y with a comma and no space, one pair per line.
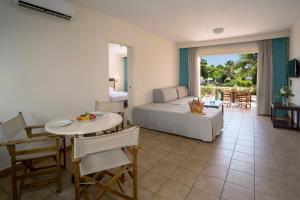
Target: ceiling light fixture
218,30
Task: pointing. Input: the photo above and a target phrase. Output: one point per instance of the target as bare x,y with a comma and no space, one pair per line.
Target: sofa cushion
182,91
164,95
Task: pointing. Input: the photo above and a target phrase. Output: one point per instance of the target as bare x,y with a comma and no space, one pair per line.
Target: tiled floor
250,160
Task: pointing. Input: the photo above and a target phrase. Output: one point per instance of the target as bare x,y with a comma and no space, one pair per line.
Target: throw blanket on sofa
175,117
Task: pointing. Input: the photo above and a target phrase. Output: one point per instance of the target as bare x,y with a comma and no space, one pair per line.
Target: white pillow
164,95
182,91
111,89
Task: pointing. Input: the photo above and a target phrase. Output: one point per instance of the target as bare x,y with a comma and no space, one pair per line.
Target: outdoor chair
30,152
227,97
244,98
94,157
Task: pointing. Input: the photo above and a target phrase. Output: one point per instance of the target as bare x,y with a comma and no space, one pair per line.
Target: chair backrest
13,126
242,93
115,107
227,92
89,145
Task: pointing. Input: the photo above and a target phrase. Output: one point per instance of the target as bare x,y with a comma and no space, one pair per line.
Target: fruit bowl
87,117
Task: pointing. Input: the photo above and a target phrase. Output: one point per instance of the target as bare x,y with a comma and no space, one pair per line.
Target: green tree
204,70
247,66
232,72
229,69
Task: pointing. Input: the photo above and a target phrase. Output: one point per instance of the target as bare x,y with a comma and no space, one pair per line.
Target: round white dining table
101,123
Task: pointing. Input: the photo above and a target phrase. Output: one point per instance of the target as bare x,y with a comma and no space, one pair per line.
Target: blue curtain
183,67
125,74
280,56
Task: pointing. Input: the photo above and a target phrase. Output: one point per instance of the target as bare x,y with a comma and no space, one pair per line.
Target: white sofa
170,113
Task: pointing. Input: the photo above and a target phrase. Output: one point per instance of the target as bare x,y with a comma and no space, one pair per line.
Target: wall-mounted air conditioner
59,8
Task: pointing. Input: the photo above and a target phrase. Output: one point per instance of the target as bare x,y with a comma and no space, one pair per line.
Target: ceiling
193,20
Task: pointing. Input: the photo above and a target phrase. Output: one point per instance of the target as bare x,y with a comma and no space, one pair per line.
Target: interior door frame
130,65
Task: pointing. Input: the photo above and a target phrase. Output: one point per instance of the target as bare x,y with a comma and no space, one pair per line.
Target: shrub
244,83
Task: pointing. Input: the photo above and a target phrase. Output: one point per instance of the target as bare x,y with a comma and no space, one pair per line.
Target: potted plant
286,92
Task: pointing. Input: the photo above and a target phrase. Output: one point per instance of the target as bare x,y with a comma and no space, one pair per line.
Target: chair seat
103,161
34,145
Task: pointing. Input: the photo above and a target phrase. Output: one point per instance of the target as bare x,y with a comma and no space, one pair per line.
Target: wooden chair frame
244,99
30,134
87,181
29,169
227,96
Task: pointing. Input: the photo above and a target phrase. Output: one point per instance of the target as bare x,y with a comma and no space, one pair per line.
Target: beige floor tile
37,194
195,165
173,190
152,181
242,166
276,158
234,192
196,194
271,188
223,152
226,145
245,143
141,171
174,158
144,194
204,156
156,153
241,179
244,149
146,162
268,173
243,157
164,168
292,180
215,171
182,151
271,163
157,197
228,139
184,176
294,193
261,196
67,193
210,185
166,147
220,161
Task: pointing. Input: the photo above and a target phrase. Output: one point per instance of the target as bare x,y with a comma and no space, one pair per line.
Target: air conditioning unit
60,8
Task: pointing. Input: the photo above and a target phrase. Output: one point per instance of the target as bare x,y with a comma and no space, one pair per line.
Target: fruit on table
86,117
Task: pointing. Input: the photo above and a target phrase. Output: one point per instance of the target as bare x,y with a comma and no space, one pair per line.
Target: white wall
116,68
295,53
51,67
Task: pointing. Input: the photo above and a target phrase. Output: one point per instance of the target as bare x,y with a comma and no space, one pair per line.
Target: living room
54,70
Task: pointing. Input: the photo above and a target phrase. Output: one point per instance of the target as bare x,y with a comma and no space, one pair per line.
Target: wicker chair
93,157
35,147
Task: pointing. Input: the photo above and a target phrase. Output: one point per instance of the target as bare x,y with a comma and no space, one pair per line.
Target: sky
220,59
